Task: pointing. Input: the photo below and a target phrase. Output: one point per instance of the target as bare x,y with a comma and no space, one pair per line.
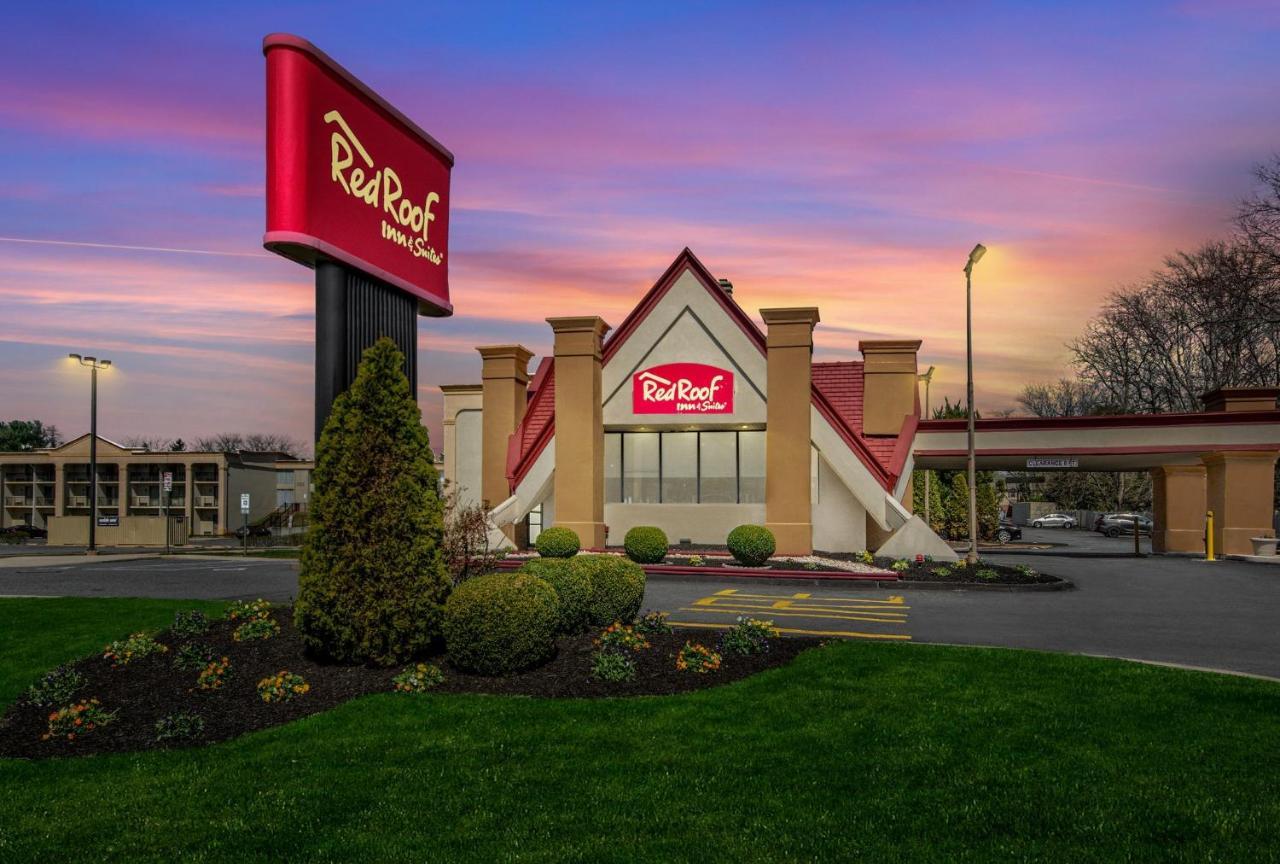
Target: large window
684,467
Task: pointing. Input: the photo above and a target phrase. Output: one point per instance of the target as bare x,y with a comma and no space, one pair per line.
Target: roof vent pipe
726,286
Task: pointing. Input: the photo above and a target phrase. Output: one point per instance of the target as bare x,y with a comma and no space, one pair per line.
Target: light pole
927,378
94,365
974,257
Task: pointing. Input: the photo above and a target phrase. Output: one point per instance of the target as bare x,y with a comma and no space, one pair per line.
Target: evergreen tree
372,583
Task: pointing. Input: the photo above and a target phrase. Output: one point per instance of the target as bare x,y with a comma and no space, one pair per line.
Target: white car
1054,520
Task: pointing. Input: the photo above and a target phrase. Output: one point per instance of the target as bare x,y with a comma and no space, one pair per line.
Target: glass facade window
719,474
751,467
640,468
679,467
715,467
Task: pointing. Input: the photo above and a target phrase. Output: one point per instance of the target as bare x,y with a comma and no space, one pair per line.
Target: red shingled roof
837,391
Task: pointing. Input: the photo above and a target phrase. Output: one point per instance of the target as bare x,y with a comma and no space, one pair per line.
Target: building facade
43,487
690,417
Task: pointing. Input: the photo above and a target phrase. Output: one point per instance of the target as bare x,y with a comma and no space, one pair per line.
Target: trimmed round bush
558,542
501,623
646,544
571,586
617,588
751,545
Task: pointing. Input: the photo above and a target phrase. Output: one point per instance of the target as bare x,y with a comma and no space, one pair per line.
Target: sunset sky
839,155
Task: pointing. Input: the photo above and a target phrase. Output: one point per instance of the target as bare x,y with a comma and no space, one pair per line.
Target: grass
859,751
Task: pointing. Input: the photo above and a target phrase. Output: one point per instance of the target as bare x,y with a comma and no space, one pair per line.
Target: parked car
1007,531
1054,520
1118,524
253,531
25,531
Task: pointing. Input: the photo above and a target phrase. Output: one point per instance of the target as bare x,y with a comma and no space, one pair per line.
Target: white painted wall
468,449
839,521
699,523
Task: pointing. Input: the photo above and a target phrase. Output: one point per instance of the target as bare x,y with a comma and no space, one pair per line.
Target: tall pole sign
360,193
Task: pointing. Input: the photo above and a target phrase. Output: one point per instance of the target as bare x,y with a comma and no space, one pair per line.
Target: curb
1060,585
788,576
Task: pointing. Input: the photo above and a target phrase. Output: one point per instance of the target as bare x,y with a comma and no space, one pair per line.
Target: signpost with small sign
244,512
166,483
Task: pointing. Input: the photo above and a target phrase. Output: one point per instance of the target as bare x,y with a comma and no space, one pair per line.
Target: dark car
252,531
1007,531
1119,524
23,532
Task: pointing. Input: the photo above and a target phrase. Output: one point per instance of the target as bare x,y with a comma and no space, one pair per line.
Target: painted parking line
797,608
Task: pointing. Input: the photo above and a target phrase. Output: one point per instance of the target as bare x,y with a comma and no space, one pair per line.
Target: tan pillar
122,486
1235,399
1240,490
505,385
188,497
222,494
889,384
787,492
1178,505
579,478
59,489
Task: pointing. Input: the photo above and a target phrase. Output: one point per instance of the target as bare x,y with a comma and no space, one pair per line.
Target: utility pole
974,257
94,365
927,378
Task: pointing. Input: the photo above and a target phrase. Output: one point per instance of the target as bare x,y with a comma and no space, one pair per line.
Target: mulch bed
151,688
957,572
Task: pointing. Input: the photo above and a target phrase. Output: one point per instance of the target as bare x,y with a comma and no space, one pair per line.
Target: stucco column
505,393
188,497
787,491
1240,490
1178,505
889,384
122,484
222,495
59,488
579,441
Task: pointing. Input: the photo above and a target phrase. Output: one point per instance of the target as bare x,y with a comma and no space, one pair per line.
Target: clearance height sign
352,179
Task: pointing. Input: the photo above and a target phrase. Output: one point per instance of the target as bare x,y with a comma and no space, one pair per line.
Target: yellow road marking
781,604
749,605
802,596
894,600
798,632
727,591
837,617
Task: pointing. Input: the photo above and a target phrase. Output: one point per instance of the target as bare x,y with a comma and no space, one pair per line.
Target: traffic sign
244,502
167,479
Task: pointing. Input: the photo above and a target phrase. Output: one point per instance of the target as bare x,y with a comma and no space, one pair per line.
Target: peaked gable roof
837,388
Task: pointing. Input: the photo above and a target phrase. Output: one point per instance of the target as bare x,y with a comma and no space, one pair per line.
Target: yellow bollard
1208,536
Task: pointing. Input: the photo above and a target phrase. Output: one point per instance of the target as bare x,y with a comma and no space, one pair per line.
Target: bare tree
1259,215
143,442
1065,397
259,442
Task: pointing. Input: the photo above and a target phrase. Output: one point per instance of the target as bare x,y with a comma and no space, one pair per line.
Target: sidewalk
62,560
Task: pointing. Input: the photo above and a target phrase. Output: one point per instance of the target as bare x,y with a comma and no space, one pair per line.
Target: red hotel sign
682,388
351,178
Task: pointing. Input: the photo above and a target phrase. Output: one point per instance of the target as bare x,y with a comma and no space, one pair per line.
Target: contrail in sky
174,251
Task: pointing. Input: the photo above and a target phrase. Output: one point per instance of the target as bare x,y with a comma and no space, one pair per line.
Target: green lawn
859,751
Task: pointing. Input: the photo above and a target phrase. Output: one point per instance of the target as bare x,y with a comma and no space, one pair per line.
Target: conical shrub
372,584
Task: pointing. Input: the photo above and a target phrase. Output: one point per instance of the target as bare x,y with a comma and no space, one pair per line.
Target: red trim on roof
537,427
1105,421
686,258
1136,450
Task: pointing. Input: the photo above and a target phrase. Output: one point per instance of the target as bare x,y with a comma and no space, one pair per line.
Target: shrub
79,719
192,655
748,636
645,544
697,658
943,571
986,574
122,652
465,545
501,623
243,610
653,624
865,557
617,587
56,687
558,542
696,561
181,726
256,628
191,623
418,678
571,586
612,666
282,686
372,582
214,675
901,565
620,637
751,545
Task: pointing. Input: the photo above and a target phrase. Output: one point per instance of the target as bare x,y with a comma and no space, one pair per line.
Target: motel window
719,477
684,467
679,467
751,467
640,475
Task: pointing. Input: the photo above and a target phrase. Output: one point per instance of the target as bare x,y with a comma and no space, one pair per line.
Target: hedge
557,542
617,588
646,544
571,586
751,545
501,623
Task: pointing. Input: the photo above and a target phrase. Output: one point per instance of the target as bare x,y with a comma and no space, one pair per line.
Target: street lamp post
94,365
974,257
927,378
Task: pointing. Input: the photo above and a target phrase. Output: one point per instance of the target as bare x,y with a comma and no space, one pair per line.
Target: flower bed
156,703
954,572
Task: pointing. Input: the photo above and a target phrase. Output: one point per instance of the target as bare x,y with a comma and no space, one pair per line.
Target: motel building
49,488
690,417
